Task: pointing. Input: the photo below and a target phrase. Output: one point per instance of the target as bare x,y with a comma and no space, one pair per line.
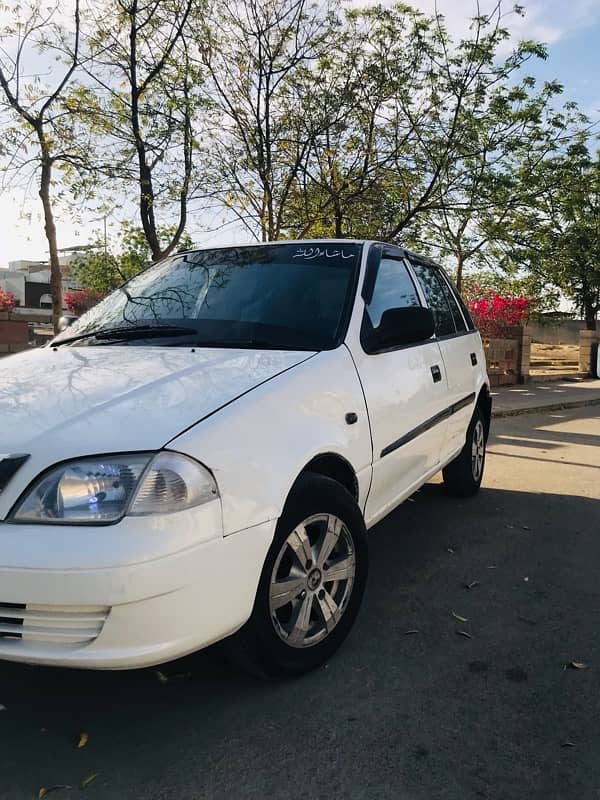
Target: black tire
258,647
461,476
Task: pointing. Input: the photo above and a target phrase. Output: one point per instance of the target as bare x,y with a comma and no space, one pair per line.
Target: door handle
436,373
474,359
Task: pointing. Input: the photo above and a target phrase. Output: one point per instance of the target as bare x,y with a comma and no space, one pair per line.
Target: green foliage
557,237
102,270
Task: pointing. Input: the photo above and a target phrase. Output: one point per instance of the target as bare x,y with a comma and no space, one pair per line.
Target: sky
570,28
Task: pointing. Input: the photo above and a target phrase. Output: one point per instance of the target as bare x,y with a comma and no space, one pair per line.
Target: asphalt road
409,716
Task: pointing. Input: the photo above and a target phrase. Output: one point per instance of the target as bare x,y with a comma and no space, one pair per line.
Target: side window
393,288
433,289
459,322
456,295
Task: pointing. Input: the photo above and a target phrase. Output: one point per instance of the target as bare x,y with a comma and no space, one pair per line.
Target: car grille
62,625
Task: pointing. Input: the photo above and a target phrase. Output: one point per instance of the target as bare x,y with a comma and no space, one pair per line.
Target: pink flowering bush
81,300
7,301
495,315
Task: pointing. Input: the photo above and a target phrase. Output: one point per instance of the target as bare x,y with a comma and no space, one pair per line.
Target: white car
202,453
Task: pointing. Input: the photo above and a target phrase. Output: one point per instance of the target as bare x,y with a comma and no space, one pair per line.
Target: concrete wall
566,332
589,362
14,334
508,360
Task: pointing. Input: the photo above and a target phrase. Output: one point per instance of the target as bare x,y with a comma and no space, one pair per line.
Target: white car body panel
257,447
463,380
84,401
154,611
149,589
400,396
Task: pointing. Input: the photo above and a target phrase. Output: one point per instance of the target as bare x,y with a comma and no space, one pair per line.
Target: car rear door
405,390
460,347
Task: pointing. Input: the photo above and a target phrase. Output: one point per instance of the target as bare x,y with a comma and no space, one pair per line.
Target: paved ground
510,400
431,715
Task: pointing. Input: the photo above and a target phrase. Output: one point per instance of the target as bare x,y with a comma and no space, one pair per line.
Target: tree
371,102
102,269
495,170
426,136
41,134
558,237
140,96
252,52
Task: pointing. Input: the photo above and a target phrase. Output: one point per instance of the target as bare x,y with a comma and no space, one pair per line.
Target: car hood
82,400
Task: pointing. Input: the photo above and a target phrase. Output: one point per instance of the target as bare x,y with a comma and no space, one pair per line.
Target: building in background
29,281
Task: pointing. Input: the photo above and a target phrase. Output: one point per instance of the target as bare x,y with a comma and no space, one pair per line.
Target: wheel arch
334,466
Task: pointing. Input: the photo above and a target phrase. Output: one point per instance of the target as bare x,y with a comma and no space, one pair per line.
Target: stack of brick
14,334
502,356
589,341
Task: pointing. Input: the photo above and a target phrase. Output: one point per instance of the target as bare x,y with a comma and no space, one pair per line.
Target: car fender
258,445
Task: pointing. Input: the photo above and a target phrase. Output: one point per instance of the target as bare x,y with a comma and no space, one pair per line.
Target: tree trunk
590,317
339,230
459,271
56,289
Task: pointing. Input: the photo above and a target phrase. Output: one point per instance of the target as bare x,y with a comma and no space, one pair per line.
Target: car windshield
274,296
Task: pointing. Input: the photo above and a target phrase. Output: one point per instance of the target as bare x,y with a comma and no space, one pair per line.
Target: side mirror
65,322
402,326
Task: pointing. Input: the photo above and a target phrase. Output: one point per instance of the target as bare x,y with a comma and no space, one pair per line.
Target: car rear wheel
311,585
462,477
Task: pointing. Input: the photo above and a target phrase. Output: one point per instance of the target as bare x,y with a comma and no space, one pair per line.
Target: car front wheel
312,582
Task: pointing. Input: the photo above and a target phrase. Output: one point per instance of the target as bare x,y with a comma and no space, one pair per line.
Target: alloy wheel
478,450
312,580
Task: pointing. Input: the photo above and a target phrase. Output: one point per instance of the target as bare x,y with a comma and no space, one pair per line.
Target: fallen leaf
408,633
458,617
568,744
83,740
88,779
578,665
526,527
471,585
465,634
161,676
47,789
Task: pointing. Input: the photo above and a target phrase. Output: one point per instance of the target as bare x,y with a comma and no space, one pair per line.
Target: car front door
405,390
461,351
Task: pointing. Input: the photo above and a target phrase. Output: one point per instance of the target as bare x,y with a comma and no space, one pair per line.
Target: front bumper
133,615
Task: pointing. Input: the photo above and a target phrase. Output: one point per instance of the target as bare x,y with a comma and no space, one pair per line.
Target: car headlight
105,489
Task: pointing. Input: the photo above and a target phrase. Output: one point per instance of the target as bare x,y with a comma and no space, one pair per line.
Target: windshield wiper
132,332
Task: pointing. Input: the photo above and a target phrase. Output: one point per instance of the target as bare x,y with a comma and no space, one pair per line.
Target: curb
516,412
